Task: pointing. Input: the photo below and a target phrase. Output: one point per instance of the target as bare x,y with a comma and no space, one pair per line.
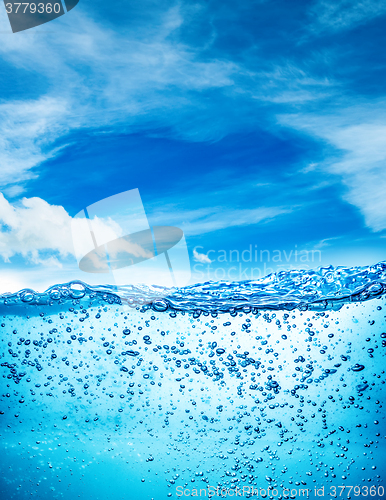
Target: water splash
321,289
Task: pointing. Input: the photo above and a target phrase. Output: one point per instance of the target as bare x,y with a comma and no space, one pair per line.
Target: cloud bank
358,157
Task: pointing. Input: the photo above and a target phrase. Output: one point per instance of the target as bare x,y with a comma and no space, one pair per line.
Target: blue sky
244,123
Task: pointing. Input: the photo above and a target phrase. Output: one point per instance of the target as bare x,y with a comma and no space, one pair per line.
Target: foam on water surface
275,385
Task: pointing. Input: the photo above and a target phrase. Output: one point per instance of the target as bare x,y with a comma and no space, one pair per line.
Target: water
265,389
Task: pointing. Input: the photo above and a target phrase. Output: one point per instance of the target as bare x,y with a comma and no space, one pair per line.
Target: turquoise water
266,389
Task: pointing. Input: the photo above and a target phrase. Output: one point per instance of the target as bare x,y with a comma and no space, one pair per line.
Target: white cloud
96,77
359,160
209,219
201,257
40,232
289,84
27,131
336,15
